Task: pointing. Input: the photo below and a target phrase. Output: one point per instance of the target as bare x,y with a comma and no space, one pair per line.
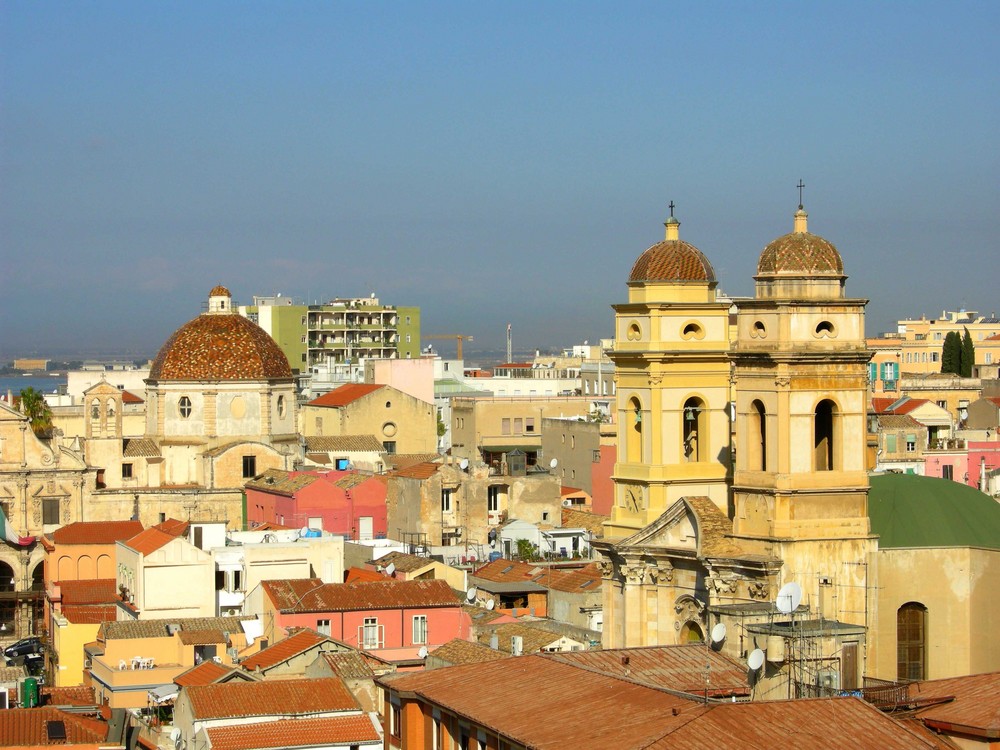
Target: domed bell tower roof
672,261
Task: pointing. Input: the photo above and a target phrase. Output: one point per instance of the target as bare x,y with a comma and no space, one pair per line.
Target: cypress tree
951,353
968,355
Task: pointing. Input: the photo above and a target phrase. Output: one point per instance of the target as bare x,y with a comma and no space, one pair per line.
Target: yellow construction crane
458,337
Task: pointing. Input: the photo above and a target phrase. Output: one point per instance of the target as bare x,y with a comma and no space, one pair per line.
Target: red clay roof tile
96,591
296,596
204,674
284,650
345,394
96,532
22,727
334,730
148,541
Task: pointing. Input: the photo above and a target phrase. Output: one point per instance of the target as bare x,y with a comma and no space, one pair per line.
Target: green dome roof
907,510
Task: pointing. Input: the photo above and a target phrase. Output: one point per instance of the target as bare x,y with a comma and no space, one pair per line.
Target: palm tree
32,405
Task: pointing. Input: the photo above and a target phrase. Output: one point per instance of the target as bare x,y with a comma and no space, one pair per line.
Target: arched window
911,642
184,407
824,434
757,438
691,633
95,409
695,430
111,408
633,430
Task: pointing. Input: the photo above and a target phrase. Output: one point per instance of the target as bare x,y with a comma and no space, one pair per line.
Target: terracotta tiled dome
220,346
672,260
800,252
219,291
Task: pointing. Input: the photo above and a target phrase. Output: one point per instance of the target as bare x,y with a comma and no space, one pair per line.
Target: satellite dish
553,463
719,633
756,659
490,604
463,464
422,653
471,594
789,598
304,531
390,569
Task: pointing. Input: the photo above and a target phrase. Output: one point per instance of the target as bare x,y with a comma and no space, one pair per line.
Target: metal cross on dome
671,207
800,186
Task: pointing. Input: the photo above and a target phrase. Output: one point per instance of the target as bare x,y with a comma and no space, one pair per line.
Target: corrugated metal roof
296,595
288,697
543,704
976,704
673,667
811,724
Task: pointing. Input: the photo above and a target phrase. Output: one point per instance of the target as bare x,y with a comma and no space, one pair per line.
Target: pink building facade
338,502
392,620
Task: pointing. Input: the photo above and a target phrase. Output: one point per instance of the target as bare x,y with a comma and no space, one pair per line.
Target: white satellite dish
471,594
756,659
390,569
490,604
303,531
719,633
463,464
422,653
789,598
553,463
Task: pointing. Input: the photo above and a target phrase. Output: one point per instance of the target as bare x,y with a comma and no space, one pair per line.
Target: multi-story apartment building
341,331
920,341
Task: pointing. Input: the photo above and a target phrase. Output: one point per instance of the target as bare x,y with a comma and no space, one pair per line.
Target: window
943,404
389,446
419,629
446,493
823,436
695,430
303,356
395,720
184,408
505,426
369,633
911,443
947,471
988,358
596,457
872,372
126,471
890,443
757,429
493,498
95,409
529,424
50,510
911,621
281,406
518,426
249,467
220,580
323,627
934,356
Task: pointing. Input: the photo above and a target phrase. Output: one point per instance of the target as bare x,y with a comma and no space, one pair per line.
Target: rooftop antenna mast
510,357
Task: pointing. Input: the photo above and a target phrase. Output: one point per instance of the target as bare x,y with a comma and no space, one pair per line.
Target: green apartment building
342,331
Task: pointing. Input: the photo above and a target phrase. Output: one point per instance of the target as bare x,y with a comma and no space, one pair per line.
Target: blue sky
488,162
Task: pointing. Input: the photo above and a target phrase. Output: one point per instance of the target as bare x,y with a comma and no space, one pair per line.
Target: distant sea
44,383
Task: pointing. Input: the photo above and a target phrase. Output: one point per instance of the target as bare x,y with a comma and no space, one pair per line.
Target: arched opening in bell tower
695,430
824,424
757,437
633,429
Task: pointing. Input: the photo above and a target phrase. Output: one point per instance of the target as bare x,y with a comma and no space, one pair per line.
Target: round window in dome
184,407
692,330
825,329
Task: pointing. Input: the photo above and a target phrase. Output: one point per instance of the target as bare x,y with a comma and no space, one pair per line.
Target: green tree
968,355
441,427
32,405
951,353
525,550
